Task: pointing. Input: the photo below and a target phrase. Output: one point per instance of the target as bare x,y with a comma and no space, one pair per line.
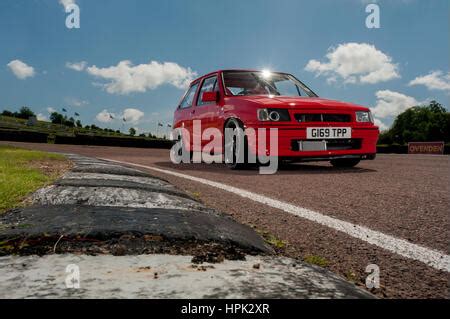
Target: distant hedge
82,139
23,136
394,148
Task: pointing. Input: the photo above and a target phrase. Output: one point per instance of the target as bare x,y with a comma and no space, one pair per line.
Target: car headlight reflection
273,115
364,117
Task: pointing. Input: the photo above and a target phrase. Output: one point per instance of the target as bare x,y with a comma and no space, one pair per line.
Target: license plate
315,133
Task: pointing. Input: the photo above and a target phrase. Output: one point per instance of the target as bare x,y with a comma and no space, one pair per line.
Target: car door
206,112
185,111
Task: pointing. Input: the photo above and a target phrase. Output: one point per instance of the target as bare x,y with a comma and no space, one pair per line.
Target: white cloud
65,3
51,110
42,117
75,102
435,80
132,115
382,126
77,66
391,104
20,69
355,63
105,116
126,78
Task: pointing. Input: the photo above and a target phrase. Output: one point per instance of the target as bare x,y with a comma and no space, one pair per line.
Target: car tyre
232,163
345,162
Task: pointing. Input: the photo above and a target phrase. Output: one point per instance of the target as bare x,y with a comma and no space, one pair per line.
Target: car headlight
273,115
364,117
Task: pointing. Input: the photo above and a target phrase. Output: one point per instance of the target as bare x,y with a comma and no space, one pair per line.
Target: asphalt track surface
403,197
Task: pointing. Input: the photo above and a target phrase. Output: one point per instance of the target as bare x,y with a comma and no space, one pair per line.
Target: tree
25,113
132,131
69,122
56,118
78,123
7,113
424,123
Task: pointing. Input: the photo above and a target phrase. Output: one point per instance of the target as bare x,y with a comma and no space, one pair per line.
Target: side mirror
210,96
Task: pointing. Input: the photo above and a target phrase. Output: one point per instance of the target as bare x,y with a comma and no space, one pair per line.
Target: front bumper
362,145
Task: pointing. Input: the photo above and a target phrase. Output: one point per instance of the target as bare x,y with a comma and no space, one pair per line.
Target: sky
133,59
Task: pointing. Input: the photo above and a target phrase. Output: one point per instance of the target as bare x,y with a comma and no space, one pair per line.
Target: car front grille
323,117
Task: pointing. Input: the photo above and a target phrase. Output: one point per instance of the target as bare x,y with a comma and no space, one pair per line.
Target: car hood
301,103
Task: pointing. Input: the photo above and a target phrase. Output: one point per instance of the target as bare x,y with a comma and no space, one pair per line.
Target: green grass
17,176
316,260
271,239
351,276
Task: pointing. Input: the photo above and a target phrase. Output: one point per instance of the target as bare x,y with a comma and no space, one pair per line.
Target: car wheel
234,148
345,162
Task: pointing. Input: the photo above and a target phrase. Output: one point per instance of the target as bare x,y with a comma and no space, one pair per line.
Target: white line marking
433,258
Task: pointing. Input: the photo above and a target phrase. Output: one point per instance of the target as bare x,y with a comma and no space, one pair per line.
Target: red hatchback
309,128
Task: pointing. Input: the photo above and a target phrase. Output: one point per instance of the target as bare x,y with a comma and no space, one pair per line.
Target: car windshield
242,83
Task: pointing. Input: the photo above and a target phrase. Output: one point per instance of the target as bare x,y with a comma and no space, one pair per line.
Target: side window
189,97
209,85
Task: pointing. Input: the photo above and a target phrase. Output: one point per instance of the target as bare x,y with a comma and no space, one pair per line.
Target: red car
310,128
